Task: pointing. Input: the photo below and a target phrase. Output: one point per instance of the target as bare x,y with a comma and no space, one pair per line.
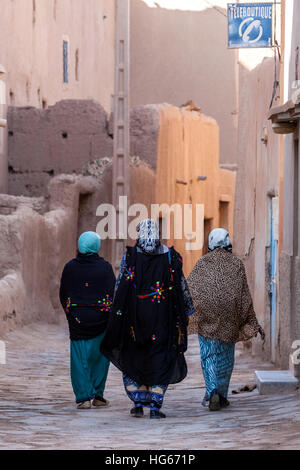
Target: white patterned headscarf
148,235
219,238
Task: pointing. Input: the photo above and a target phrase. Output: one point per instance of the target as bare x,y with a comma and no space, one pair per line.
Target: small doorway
208,224
224,214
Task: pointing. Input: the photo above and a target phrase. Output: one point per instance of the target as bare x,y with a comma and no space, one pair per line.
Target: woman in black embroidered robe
146,336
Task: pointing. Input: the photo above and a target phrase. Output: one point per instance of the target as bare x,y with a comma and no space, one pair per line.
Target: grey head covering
148,235
219,238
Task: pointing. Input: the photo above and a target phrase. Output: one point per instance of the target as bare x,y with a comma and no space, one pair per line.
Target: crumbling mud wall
37,238
24,270
60,171
60,139
144,131
73,136
39,235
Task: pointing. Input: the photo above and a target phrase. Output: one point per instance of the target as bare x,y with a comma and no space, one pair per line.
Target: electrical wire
275,46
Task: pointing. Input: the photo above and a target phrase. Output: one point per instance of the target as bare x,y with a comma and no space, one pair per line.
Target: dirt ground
38,411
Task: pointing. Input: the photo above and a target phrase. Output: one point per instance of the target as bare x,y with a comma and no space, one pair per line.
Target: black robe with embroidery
146,336
86,294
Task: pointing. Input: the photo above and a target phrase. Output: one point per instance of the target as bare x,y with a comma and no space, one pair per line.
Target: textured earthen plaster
257,180
188,170
178,143
68,136
60,139
25,254
144,130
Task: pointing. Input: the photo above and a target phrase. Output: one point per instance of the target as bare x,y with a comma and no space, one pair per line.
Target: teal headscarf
89,242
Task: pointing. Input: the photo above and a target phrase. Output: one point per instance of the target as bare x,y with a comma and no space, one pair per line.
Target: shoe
100,402
224,402
156,414
214,401
84,405
137,412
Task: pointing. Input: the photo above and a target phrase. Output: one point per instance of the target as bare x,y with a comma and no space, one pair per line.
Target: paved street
38,412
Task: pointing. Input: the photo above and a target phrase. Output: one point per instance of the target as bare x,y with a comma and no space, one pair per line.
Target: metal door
273,271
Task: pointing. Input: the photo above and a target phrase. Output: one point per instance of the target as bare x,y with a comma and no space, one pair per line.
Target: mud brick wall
60,139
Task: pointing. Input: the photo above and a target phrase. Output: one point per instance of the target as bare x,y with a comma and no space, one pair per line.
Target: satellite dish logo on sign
249,25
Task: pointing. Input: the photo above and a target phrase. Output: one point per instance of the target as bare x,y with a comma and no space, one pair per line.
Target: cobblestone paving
37,409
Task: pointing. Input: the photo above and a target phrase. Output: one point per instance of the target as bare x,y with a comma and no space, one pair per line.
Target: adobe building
58,49
188,172
284,117
60,161
267,193
179,53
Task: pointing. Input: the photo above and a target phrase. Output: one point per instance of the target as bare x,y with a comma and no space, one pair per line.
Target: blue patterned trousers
217,361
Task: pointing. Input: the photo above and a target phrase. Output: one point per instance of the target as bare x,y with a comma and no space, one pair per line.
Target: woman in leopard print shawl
224,312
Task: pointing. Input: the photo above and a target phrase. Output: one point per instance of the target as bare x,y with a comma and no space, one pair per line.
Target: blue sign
249,25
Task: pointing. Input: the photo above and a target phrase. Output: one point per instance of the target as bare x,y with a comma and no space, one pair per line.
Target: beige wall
31,50
257,180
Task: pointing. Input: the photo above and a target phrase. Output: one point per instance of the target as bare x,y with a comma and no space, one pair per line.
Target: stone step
275,381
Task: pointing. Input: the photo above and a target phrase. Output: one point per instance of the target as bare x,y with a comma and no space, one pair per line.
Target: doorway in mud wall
224,214
208,225
162,230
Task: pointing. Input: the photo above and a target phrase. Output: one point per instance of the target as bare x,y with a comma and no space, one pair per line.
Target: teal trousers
89,368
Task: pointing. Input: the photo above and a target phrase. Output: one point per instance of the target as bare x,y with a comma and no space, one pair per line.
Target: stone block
275,381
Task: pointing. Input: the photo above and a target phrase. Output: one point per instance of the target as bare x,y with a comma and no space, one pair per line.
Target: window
65,61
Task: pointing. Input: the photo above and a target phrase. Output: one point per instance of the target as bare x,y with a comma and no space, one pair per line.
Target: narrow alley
38,412
150,193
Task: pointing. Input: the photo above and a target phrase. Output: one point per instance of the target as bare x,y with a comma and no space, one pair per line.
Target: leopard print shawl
221,296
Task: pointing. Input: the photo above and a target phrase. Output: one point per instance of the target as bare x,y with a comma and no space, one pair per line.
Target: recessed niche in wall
77,65
12,97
